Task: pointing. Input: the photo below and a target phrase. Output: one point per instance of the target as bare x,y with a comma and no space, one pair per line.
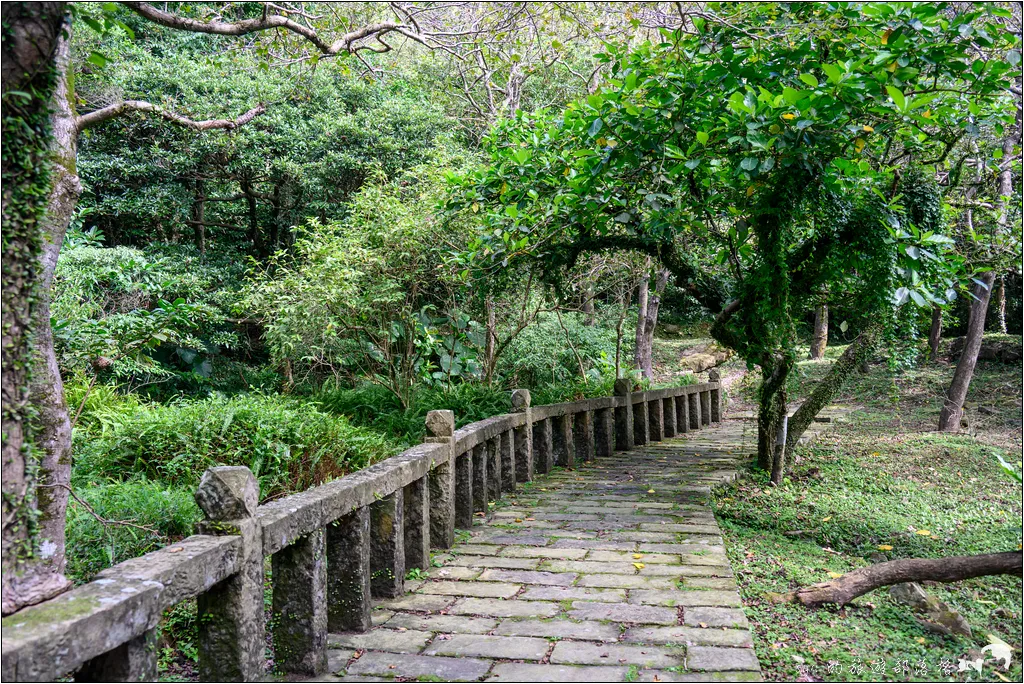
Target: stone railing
332,548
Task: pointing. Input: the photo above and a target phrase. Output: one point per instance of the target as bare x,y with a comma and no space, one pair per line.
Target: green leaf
833,72
595,127
792,95
736,103
749,164
97,58
809,79
897,97
702,137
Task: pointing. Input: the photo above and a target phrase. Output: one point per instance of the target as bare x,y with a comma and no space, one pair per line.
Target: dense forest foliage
361,236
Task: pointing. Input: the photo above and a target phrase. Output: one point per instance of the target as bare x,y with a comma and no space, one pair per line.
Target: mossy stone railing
333,548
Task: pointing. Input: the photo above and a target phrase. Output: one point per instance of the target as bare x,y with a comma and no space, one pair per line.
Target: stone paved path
612,572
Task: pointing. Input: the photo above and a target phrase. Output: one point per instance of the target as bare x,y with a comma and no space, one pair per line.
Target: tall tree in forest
32,38
39,94
953,406
771,140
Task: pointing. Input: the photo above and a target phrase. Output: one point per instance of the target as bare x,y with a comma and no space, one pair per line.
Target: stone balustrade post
655,420
441,430
682,414
231,625
480,459
507,449
693,402
348,572
583,436
464,491
641,433
716,395
543,446
705,407
132,661
624,415
299,606
604,432
562,440
416,518
387,546
668,409
523,447
494,468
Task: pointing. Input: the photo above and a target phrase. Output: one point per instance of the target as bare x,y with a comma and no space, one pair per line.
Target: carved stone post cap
228,493
520,399
623,386
714,375
441,423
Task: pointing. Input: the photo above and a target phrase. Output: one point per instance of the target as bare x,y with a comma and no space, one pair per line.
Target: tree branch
111,111
345,43
859,582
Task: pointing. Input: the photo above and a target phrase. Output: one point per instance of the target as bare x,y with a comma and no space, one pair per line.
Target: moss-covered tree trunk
52,423
829,386
33,47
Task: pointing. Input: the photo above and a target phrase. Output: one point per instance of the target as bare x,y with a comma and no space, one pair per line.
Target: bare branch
346,43
110,111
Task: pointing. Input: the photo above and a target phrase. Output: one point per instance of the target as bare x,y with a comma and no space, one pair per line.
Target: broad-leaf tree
770,140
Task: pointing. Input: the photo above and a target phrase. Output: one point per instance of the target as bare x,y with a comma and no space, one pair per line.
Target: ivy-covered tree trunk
32,41
772,420
52,422
820,339
829,386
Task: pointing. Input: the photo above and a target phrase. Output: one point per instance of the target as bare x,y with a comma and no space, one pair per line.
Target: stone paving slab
614,571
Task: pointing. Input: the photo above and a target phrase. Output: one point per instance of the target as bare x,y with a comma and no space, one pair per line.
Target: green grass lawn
884,485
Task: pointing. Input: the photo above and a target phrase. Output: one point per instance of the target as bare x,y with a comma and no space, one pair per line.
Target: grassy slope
873,482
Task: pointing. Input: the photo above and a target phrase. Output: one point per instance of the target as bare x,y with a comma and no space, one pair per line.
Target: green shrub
289,445
92,546
377,408
540,354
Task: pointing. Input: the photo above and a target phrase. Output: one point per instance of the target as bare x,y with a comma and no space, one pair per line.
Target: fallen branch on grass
844,589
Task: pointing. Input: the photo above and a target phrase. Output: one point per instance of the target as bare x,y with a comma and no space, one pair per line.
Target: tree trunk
820,339
935,333
651,322
844,589
490,339
199,216
255,236
1001,304
618,334
952,409
276,211
643,292
35,58
771,418
589,319
828,387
